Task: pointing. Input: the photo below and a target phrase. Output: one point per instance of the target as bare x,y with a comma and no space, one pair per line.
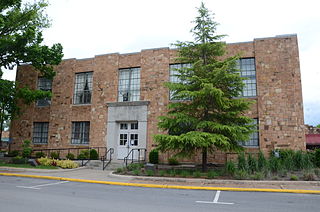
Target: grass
27,166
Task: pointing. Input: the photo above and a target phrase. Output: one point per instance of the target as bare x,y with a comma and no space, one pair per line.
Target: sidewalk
86,174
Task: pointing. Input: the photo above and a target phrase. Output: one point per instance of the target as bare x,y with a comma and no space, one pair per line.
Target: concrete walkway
86,174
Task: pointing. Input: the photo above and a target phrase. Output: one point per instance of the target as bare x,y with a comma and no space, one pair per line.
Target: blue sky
87,28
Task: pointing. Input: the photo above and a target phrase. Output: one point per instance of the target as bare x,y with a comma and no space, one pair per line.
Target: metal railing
104,159
75,151
140,156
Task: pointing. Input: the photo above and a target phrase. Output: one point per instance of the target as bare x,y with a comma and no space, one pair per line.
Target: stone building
114,100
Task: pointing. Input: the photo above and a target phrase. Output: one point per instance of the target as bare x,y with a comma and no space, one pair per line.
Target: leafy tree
211,115
318,126
21,43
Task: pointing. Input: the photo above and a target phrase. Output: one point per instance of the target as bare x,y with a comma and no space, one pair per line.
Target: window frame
253,141
129,84
43,128
247,68
42,85
80,133
83,96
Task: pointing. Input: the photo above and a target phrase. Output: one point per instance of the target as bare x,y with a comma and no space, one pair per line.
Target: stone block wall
278,105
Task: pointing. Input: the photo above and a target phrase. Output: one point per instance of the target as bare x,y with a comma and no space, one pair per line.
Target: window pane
129,85
248,71
40,132
174,77
80,132
44,84
254,137
83,88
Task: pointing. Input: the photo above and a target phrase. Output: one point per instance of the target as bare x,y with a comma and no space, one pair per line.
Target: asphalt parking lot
29,194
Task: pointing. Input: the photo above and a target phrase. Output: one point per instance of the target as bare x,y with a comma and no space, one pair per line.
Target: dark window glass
254,137
40,132
248,71
80,132
83,88
44,84
129,85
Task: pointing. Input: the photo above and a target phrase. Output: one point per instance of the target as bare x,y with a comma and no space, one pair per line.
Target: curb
7,168
299,191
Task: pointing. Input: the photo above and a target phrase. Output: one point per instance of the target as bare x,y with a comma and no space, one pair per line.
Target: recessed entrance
128,138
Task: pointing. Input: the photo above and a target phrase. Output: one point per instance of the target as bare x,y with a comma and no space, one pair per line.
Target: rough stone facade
278,107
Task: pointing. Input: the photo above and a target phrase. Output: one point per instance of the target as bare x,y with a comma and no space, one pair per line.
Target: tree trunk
204,159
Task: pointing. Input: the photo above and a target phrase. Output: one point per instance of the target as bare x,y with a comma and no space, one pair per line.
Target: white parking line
36,187
215,200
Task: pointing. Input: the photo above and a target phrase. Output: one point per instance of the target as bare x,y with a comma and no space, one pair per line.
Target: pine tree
211,117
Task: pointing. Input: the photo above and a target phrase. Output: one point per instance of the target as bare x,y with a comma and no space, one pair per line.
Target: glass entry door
128,139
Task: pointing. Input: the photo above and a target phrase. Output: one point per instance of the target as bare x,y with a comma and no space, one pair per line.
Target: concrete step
97,164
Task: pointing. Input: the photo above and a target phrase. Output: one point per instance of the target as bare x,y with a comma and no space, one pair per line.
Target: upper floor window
254,137
44,84
247,69
174,77
40,132
83,88
129,85
80,132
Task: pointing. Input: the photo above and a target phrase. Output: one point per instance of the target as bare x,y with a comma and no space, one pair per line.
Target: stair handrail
125,159
104,160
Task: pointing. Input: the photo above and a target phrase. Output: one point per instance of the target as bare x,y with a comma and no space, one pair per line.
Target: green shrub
84,155
307,163
13,153
242,164
26,149
40,154
136,172
119,170
274,164
286,159
173,161
257,176
317,157
184,173
262,162
134,166
294,178
298,160
317,172
196,174
212,174
19,160
94,154
45,161
54,155
241,175
161,173
70,156
150,172
252,164
230,168
154,156
172,172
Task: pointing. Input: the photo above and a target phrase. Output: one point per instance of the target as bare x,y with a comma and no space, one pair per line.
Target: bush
162,173
262,162
212,174
274,164
94,154
19,160
241,175
84,155
26,149
317,157
40,154
136,172
230,168
242,164
309,176
13,153
70,156
54,155
184,173
196,174
134,166
173,161
294,178
150,172
252,164
287,161
67,164
154,156
257,176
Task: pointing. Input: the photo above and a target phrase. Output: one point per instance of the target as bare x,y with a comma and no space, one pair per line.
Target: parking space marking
42,185
215,200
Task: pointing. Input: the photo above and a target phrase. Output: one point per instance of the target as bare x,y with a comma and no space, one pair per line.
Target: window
83,88
174,76
80,132
129,85
40,132
44,84
248,70
254,137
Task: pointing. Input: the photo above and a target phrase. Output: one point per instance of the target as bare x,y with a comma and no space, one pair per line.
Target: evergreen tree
211,115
